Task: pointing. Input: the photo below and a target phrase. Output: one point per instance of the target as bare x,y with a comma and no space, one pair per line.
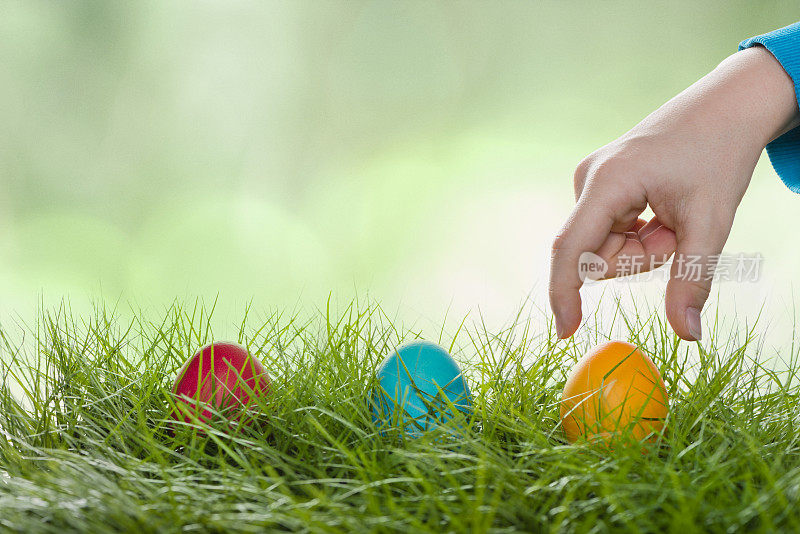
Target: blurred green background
420,153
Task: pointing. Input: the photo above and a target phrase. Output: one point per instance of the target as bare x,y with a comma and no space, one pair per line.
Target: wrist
763,91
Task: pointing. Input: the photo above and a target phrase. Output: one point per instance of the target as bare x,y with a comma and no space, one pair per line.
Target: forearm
748,96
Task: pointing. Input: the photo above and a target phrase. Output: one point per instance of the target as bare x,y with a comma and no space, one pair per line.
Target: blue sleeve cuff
784,152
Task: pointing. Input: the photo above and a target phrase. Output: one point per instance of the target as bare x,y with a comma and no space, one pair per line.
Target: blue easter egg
417,385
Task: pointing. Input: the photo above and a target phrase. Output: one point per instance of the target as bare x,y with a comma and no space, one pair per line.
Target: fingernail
693,323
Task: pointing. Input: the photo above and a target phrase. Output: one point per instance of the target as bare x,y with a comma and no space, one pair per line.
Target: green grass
85,444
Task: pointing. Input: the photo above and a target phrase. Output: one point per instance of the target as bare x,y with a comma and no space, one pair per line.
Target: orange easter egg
614,393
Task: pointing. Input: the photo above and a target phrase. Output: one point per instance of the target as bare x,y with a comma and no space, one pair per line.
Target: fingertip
567,318
564,332
678,324
687,325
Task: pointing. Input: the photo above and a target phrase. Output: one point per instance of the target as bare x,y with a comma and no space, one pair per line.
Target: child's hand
690,161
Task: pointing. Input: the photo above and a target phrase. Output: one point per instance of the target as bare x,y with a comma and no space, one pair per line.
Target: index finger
585,231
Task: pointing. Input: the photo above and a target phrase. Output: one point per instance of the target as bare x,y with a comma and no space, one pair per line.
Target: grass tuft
86,444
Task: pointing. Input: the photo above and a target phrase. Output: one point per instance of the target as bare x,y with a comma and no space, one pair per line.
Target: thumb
696,257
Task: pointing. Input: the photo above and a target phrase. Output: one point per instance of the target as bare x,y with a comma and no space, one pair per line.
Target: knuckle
560,242
606,179
699,289
583,167
580,174
609,169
